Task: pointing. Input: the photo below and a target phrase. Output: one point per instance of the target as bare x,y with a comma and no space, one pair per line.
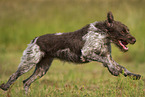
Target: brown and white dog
91,43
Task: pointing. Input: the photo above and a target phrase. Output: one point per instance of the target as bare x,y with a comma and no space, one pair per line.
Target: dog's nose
133,40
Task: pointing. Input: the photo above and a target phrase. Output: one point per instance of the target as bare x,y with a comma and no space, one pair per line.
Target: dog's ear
110,19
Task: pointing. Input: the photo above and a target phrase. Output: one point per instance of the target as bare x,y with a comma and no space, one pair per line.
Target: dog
91,43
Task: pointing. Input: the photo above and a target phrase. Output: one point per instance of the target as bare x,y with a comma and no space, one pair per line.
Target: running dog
91,43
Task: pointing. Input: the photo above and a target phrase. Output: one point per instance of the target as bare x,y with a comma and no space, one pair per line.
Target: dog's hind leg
15,76
31,56
40,70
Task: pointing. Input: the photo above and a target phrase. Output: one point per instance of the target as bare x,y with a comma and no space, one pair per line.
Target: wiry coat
91,43
74,46
65,46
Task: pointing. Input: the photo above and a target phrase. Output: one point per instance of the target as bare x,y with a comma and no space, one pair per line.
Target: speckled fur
31,56
91,43
95,42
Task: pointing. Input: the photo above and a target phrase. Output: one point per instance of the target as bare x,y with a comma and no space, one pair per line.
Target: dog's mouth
123,44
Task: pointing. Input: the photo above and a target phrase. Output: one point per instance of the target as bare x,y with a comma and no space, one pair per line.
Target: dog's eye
123,32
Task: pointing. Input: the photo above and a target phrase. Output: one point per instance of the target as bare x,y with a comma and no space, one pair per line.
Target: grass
69,80
22,20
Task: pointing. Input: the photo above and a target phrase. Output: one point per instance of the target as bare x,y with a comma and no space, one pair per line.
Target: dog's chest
95,41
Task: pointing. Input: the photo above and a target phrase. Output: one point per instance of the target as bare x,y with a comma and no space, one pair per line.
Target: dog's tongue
123,44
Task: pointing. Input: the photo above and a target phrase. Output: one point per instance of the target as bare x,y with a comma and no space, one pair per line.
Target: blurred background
23,20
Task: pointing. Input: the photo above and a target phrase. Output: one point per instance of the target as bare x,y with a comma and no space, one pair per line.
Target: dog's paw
134,76
2,86
138,76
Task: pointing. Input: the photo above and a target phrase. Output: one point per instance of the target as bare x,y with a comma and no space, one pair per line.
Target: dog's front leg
92,56
107,62
114,68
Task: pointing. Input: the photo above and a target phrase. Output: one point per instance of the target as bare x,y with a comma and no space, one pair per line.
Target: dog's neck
95,33
101,25
95,39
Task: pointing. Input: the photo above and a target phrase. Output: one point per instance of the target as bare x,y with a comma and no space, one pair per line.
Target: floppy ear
110,18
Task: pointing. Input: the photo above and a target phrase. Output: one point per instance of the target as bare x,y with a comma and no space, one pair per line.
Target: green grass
21,21
69,80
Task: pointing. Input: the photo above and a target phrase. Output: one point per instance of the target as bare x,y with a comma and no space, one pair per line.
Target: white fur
58,33
31,56
94,41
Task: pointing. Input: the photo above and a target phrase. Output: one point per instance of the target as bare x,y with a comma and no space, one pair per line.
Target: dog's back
65,46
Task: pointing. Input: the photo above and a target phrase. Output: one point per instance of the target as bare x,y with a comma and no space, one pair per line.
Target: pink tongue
123,44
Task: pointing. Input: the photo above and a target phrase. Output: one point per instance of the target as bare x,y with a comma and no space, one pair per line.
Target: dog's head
118,33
